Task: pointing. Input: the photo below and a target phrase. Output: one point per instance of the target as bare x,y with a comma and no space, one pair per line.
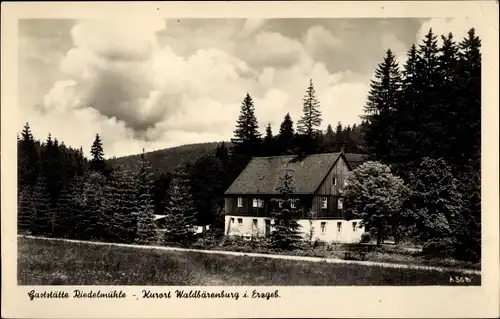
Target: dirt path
288,257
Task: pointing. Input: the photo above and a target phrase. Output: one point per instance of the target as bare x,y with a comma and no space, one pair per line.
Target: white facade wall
334,230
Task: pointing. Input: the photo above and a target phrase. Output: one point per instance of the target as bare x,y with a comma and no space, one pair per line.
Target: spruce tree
206,187
380,108
246,134
97,162
70,209
286,234
247,138
407,116
26,211
286,136
268,147
28,158
146,229
120,212
43,213
93,224
328,140
428,85
180,213
309,123
469,101
222,155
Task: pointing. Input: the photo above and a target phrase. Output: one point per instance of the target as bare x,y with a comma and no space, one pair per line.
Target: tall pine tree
121,206
43,212
180,213
268,146
309,123
28,159
146,229
286,136
97,162
247,138
380,108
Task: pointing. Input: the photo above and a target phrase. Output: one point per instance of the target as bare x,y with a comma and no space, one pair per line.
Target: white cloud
118,81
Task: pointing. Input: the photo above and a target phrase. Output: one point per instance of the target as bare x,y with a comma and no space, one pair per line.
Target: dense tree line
424,121
63,194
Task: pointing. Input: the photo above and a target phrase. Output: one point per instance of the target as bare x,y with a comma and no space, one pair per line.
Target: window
254,223
339,226
232,220
323,227
258,203
340,203
334,181
280,203
293,203
324,203
240,202
354,224
240,221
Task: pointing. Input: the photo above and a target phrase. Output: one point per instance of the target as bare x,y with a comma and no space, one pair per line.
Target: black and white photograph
250,152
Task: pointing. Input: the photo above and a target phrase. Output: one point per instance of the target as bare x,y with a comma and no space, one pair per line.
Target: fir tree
286,233
43,213
28,158
268,146
246,134
406,116
70,209
380,108
180,211
93,224
469,101
246,141
328,140
286,136
311,119
146,229
428,85
206,187
97,162
26,211
309,123
120,207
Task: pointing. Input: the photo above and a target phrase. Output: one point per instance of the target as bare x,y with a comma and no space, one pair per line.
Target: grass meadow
45,262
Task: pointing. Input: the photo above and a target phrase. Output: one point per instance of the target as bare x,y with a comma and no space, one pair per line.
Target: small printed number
460,279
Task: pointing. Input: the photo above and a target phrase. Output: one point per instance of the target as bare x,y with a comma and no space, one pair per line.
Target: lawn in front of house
45,262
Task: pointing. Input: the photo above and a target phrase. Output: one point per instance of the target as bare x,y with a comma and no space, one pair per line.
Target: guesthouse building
319,180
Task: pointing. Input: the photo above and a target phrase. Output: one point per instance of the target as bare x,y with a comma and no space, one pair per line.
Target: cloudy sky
159,83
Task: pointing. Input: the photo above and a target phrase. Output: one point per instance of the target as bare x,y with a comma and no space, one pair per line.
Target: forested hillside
168,159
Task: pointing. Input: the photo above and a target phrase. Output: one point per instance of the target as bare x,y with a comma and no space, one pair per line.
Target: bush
366,237
439,247
320,244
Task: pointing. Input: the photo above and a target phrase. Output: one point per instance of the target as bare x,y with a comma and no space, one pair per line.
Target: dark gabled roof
261,176
355,159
